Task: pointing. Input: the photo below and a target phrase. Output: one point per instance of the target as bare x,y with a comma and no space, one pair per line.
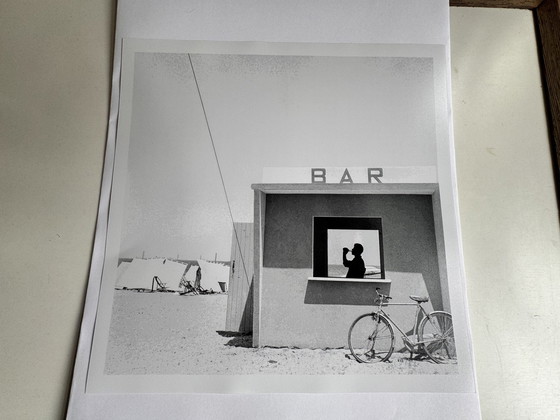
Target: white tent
190,275
140,273
213,274
121,269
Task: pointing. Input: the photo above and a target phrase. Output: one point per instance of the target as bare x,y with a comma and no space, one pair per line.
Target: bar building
297,298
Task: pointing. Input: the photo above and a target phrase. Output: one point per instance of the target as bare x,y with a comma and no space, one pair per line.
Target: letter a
346,177
318,176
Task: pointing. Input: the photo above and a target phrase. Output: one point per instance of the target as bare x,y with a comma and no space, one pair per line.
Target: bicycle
371,337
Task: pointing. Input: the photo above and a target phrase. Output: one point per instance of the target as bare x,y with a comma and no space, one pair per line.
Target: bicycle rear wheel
371,338
437,330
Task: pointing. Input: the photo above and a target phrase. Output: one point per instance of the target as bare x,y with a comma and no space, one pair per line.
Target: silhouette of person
356,267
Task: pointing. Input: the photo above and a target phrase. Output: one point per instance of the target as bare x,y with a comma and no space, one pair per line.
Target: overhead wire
219,169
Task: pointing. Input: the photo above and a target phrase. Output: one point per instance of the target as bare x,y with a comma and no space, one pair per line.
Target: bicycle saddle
419,299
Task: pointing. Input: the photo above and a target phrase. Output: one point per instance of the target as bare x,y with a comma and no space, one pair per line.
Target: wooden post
548,20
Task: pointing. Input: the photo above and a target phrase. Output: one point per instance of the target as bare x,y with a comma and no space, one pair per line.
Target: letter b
318,176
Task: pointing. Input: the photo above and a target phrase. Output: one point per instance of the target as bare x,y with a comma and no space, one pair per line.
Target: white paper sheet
314,23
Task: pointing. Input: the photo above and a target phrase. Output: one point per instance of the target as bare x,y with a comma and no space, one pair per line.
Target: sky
346,238
263,111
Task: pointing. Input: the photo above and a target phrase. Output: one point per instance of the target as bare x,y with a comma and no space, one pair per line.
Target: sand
165,333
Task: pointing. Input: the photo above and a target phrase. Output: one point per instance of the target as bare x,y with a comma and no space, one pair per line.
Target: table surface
54,99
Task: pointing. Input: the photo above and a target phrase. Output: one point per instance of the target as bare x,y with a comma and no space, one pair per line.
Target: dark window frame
321,226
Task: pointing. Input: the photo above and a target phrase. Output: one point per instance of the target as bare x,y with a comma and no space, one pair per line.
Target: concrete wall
295,311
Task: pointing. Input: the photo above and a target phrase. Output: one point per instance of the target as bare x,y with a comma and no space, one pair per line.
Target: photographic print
277,222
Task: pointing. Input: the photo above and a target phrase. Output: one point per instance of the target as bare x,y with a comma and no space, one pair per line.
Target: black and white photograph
276,211
280,209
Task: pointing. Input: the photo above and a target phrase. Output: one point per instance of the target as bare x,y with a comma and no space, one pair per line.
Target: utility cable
219,169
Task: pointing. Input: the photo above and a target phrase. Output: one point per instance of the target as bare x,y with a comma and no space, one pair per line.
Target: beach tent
121,269
213,274
140,273
190,275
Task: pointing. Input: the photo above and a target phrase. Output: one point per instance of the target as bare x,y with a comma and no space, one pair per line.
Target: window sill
344,279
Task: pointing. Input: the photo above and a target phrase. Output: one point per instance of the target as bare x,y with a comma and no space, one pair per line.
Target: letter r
375,173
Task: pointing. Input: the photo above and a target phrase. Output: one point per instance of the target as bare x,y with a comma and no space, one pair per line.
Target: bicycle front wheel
371,338
436,331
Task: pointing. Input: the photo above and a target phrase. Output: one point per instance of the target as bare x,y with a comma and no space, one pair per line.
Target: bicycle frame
431,341
419,309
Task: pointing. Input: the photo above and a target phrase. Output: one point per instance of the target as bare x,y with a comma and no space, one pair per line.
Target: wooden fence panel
239,315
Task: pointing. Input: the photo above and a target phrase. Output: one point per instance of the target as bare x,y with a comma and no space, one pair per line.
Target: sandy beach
169,334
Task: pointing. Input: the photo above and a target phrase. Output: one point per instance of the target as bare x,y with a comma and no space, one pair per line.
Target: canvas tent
121,269
213,274
140,273
189,277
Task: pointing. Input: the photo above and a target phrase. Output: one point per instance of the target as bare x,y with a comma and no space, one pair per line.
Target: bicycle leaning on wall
371,337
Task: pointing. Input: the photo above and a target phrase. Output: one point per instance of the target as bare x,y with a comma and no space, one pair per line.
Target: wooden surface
239,314
548,18
548,30
509,4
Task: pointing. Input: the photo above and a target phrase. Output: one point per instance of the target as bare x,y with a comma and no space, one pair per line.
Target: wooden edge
548,35
507,4
547,28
